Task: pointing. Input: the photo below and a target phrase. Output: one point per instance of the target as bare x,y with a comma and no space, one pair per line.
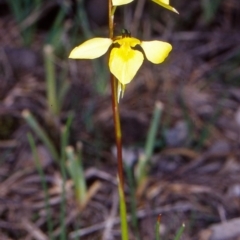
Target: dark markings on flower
125,33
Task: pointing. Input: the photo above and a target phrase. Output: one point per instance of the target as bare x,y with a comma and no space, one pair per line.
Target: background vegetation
57,163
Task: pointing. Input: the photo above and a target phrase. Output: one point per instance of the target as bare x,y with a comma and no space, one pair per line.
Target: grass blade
141,171
40,133
180,231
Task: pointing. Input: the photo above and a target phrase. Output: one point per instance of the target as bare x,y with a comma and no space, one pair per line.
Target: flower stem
115,106
110,19
118,134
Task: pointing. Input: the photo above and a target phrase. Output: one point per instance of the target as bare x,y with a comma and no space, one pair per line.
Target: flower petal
91,49
120,2
165,4
164,1
124,63
156,51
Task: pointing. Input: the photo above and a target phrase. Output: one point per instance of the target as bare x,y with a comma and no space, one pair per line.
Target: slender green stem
158,227
180,232
123,213
141,170
118,133
32,122
76,171
51,79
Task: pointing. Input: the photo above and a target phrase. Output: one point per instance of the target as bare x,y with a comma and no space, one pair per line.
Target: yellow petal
156,51
165,4
164,1
91,49
120,2
124,63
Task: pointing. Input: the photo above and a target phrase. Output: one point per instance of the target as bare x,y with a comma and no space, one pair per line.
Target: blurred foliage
24,12
210,9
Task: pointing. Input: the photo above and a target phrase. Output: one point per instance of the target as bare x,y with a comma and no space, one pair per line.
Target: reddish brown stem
115,106
117,126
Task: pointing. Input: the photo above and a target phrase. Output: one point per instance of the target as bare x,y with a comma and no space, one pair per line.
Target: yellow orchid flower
126,55
163,3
